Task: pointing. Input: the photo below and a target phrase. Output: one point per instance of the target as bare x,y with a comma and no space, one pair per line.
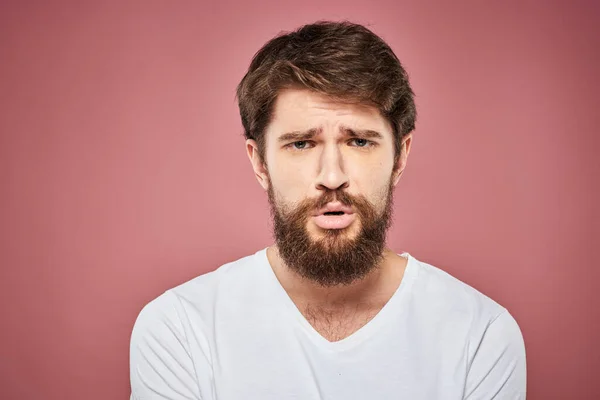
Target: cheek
289,182
372,180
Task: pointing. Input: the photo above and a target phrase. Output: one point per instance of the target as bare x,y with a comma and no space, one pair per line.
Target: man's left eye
360,142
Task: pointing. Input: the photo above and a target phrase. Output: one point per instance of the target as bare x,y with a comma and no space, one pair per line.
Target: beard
333,258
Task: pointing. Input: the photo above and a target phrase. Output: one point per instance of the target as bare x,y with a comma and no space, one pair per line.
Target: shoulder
173,308
236,275
492,336
448,295
170,342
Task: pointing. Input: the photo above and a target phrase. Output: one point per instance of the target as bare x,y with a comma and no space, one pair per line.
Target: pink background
123,171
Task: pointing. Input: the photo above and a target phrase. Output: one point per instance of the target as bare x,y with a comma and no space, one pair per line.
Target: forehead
301,109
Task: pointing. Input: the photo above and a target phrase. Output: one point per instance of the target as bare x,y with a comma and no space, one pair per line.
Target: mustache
359,203
333,195
303,209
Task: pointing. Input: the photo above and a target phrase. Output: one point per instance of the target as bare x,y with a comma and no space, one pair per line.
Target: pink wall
123,172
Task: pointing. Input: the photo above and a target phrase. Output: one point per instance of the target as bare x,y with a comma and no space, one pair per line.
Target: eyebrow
362,133
297,136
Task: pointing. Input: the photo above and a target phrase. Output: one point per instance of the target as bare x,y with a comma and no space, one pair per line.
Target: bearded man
328,311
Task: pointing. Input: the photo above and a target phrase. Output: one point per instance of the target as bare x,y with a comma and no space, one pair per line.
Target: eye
300,145
361,142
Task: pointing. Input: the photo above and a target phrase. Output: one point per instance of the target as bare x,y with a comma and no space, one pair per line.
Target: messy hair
342,60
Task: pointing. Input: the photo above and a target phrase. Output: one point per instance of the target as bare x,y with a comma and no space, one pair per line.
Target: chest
336,324
273,355
391,364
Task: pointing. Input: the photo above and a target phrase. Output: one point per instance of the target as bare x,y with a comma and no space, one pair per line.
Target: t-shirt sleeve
498,369
161,365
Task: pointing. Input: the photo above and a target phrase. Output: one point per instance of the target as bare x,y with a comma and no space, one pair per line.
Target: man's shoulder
447,293
452,305
493,341
238,274
170,344
201,293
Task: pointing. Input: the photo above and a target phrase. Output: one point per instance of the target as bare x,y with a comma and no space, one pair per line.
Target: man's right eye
300,145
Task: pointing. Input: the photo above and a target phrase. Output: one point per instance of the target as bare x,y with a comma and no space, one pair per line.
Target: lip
334,221
334,207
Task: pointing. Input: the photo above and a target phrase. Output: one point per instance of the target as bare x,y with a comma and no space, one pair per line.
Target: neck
377,285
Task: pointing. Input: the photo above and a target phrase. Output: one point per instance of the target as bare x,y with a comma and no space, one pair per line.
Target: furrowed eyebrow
362,133
298,136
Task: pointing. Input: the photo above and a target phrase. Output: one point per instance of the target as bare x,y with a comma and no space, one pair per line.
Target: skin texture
331,158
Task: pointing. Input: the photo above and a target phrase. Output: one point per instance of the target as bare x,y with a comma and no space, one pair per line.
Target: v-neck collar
394,305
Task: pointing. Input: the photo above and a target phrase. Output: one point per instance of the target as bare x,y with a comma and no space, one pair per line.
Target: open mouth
334,216
334,213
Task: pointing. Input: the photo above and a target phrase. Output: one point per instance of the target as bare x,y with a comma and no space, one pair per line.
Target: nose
331,174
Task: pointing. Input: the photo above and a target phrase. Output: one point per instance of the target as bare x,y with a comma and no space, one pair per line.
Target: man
327,312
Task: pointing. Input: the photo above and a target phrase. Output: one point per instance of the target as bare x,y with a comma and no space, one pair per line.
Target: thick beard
333,259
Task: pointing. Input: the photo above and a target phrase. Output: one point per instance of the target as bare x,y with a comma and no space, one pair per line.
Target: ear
402,159
260,170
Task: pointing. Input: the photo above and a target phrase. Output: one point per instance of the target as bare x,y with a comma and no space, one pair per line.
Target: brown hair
343,60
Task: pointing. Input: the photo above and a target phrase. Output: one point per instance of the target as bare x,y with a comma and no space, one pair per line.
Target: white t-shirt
234,334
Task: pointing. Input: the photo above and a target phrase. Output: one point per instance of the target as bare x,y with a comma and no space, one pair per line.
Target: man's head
327,112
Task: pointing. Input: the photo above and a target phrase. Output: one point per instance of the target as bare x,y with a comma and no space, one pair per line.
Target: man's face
329,170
